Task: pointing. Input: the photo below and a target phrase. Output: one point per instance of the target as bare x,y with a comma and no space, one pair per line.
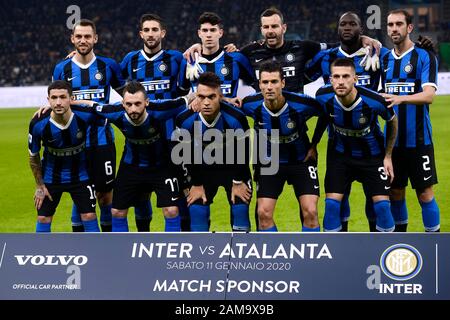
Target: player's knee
170,212
265,216
397,194
425,195
309,209
43,219
310,215
88,216
118,213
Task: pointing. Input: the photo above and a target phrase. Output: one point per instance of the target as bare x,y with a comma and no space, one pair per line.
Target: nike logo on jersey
426,178
386,70
386,188
109,181
51,141
70,79
93,205
333,115
258,60
316,187
174,199
134,70
261,123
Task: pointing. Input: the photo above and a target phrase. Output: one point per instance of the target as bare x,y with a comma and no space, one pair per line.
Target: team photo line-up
186,132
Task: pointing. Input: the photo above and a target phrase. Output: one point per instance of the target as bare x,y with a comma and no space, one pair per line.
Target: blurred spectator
34,34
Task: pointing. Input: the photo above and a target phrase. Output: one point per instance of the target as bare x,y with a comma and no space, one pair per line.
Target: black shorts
82,193
302,176
417,164
182,175
213,179
343,170
102,167
133,182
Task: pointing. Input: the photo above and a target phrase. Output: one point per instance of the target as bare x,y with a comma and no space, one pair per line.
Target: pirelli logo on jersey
156,85
399,87
225,87
352,133
66,152
151,140
287,71
89,94
363,80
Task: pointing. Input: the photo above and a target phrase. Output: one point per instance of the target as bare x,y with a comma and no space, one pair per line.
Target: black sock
301,216
401,227
106,227
344,225
143,225
78,228
373,226
185,223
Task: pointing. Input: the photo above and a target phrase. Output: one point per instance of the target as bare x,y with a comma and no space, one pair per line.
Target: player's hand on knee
231,47
241,190
195,193
41,111
39,196
189,54
311,154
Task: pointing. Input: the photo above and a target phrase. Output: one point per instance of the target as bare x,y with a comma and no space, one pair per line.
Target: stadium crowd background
34,35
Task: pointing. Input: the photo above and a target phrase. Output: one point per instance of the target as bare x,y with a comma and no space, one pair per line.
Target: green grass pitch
17,213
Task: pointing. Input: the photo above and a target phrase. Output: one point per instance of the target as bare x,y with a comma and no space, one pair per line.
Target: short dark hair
343,62
351,13
272,11
209,79
134,87
60,84
151,17
271,66
210,17
408,17
85,23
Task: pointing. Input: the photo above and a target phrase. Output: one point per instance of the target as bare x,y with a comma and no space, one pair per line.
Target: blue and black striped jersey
158,73
356,131
319,66
64,156
145,143
406,75
229,67
290,121
228,123
92,81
